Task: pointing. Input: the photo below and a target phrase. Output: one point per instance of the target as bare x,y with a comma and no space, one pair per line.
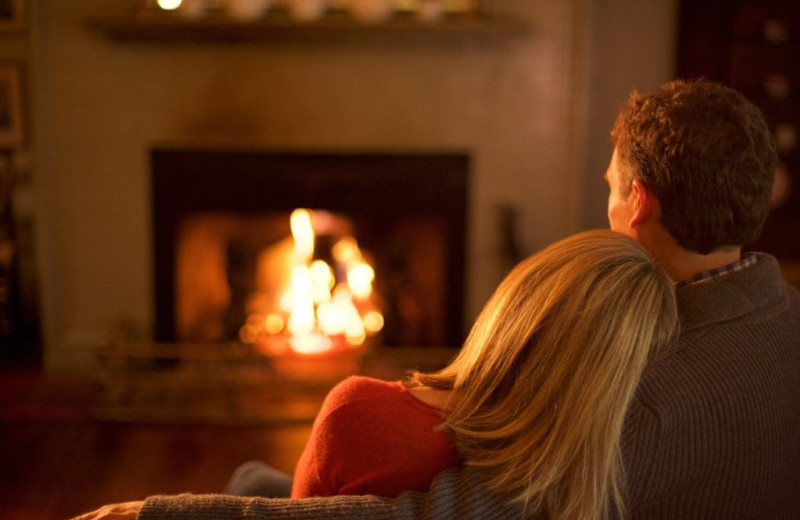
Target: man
714,429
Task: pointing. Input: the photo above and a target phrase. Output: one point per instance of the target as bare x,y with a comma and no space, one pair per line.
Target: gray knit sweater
713,433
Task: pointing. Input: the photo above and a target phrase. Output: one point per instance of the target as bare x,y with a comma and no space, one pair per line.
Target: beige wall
630,44
518,105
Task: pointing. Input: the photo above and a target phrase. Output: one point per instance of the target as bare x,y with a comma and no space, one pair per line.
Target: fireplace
216,213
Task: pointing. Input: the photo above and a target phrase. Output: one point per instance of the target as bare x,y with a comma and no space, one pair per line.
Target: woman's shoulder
362,389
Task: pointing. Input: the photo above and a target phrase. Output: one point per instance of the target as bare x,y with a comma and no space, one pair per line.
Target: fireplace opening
223,238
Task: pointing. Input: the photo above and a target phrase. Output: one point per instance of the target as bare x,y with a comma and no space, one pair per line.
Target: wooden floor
58,460
71,444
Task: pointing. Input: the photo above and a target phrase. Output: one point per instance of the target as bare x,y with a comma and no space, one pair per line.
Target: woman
536,397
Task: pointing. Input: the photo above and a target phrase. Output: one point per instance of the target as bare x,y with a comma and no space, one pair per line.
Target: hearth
222,217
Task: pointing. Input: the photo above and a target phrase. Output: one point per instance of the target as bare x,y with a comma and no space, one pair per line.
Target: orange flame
317,312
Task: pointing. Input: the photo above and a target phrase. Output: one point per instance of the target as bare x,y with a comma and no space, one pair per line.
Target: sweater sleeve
315,474
455,493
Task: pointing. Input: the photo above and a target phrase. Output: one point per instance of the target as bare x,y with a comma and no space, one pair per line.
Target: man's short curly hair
707,155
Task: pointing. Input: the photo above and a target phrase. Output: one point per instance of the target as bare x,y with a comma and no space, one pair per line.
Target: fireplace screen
309,251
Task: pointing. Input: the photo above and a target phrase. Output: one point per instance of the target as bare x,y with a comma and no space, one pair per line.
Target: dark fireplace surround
409,210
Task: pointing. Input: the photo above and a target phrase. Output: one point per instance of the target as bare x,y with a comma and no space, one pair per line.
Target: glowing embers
325,299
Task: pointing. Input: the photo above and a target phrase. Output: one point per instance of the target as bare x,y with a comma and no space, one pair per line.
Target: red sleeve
318,471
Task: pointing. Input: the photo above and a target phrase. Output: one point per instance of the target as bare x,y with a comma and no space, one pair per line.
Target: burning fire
325,307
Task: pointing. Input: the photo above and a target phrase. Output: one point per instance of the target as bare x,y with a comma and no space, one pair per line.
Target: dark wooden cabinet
754,47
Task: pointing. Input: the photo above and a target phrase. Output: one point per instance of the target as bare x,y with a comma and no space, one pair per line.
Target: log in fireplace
215,211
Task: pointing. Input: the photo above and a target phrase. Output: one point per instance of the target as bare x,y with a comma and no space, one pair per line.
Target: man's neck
680,263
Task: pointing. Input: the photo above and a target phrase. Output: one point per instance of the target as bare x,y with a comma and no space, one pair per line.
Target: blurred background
448,138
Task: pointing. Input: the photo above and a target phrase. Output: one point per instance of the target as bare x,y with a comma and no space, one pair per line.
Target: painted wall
630,44
520,106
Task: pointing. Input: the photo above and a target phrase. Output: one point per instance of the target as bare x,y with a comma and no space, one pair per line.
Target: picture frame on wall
11,15
11,120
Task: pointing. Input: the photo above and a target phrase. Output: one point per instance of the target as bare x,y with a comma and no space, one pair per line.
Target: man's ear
643,204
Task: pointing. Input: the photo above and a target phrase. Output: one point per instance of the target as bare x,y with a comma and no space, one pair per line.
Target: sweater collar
730,296
748,260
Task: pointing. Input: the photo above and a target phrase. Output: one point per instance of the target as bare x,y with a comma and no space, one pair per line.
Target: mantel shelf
279,27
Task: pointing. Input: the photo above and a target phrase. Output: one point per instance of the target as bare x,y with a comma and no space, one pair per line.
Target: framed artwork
11,127
11,12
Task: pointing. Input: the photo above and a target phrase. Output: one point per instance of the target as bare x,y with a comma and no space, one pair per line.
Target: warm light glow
273,324
318,312
329,319
286,301
310,343
346,251
303,233
373,321
360,277
248,334
322,281
356,340
169,5
301,319
355,330
333,317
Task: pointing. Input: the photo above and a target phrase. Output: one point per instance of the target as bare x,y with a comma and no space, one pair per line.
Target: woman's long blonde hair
541,387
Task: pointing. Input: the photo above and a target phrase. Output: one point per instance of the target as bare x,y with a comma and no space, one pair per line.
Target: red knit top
372,437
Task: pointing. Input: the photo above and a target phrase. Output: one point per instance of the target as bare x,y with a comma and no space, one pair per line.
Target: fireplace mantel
280,28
